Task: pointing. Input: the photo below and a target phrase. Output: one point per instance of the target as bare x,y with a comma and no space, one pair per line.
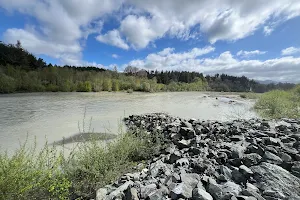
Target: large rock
201,194
251,159
119,192
159,168
131,194
224,191
147,190
270,177
101,194
182,190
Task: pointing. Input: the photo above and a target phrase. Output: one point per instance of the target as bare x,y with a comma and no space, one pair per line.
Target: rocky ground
206,160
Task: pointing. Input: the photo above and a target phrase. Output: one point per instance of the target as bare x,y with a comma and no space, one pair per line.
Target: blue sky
258,39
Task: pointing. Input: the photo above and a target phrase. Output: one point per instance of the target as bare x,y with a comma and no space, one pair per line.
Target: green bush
115,85
7,84
31,175
84,86
278,104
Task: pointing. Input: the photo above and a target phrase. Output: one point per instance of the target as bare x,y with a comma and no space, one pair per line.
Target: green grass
279,104
46,174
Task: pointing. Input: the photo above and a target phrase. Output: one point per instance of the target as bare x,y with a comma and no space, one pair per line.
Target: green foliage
85,86
47,174
20,71
115,85
94,165
107,85
279,104
31,175
7,84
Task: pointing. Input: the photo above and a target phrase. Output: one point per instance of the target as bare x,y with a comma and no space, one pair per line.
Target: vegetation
250,95
279,104
21,71
30,174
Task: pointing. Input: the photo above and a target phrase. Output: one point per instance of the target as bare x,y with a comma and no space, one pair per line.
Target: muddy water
52,116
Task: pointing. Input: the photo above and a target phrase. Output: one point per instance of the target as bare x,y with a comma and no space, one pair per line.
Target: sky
259,39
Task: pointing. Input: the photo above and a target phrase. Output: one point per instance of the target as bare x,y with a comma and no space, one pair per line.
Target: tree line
21,71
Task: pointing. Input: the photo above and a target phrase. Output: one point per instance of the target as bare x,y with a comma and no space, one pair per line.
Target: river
52,116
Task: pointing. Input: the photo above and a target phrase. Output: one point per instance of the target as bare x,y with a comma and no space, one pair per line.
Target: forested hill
21,71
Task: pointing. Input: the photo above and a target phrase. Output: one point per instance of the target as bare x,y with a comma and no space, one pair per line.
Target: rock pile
205,160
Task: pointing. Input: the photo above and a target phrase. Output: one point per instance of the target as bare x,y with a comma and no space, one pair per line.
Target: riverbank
163,157
212,160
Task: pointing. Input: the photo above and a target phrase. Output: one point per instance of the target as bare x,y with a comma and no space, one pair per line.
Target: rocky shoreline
205,160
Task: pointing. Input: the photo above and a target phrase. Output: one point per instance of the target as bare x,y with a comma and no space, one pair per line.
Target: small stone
182,162
251,159
187,133
252,187
156,195
174,157
131,194
245,171
184,144
271,149
236,138
271,141
191,179
238,177
147,190
286,157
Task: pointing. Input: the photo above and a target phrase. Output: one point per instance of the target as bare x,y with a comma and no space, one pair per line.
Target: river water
52,116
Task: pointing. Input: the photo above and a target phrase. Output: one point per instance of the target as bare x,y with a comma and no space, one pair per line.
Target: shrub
31,175
278,104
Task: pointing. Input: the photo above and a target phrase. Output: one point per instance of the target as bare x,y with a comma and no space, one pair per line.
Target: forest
21,71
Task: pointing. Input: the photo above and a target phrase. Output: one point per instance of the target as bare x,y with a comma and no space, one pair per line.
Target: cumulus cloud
62,25
290,51
246,54
224,63
218,19
113,38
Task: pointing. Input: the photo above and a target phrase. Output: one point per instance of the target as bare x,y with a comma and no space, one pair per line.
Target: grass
279,104
47,174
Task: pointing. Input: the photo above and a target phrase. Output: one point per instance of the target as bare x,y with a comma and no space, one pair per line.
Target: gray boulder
224,191
159,168
182,190
272,177
101,194
251,159
147,190
201,194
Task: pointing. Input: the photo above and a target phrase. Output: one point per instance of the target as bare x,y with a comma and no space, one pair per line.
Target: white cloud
113,38
167,58
224,63
115,56
247,54
290,51
218,19
62,25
